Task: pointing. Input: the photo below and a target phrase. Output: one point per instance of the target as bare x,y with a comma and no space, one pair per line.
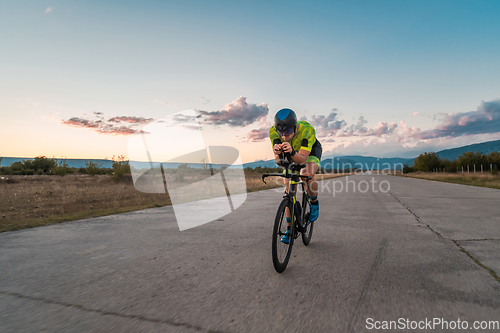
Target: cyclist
295,141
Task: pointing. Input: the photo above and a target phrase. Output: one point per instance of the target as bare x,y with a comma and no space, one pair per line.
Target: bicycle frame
295,179
297,217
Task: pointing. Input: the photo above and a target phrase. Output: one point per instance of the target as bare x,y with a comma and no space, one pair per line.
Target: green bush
92,168
17,166
41,163
61,168
72,170
431,161
449,166
427,162
472,159
121,167
5,171
407,169
22,168
493,160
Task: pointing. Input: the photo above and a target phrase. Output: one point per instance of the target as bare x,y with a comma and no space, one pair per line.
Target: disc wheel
281,251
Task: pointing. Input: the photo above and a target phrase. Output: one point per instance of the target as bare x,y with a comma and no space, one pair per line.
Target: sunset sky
375,78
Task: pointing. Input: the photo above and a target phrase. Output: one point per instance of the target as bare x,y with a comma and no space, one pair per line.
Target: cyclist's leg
312,185
312,166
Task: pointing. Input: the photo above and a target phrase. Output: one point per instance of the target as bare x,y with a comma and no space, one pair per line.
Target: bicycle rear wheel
281,251
307,226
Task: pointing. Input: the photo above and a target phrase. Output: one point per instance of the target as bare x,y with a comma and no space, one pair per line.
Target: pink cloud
381,129
79,122
134,120
258,135
484,120
123,125
463,121
326,126
360,129
238,113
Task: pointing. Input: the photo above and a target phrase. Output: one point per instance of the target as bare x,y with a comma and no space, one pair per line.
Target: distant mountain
485,148
374,163
364,162
80,163
346,162
72,162
337,163
327,162
261,163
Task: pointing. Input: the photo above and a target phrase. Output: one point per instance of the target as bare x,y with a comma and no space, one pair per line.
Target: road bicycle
299,216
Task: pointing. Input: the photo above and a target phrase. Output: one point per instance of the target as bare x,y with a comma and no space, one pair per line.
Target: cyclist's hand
277,149
286,147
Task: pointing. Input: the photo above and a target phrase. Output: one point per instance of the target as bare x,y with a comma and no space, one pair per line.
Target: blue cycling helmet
285,119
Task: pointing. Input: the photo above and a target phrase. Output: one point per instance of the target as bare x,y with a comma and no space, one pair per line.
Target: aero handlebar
287,174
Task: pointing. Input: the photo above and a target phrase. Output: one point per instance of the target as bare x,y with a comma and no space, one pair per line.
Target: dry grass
32,201
255,183
477,179
29,201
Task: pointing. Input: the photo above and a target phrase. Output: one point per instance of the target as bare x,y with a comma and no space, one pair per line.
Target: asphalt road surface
421,250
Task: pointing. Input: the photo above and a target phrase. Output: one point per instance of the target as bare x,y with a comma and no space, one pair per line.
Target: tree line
432,162
42,165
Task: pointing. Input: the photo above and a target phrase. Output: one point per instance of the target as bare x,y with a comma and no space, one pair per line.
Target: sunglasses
286,132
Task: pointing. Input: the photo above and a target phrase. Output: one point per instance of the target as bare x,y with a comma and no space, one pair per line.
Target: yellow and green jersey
305,138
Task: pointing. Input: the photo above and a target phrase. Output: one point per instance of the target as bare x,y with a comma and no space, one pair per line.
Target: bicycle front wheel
281,251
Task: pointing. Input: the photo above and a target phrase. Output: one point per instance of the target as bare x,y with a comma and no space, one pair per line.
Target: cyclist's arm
277,153
300,157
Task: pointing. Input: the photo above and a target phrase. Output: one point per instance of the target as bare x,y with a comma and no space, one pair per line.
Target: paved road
422,250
